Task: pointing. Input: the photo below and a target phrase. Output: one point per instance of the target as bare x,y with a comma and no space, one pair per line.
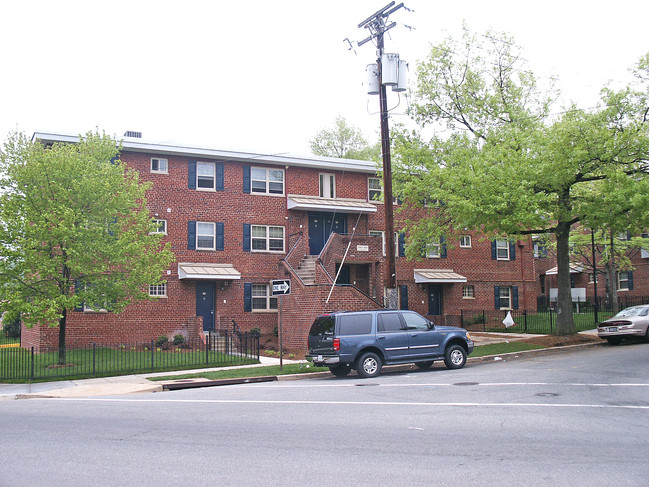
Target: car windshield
635,311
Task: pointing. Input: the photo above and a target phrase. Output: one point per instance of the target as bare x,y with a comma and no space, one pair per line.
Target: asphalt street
577,418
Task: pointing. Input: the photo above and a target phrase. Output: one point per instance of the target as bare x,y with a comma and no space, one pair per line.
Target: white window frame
465,241
623,283
160,223
502,245
468,291
158,290
266,238
505,293
327,185
255,176
206,234
162,165
434,249
205,177
262,293
374,194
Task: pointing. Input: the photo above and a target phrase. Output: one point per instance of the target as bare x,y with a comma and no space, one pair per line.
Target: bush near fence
97,360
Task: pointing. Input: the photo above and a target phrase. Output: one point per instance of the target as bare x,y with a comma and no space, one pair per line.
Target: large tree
74,229
504,159
343,140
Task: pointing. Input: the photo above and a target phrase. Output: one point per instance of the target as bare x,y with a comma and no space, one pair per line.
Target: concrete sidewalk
140,383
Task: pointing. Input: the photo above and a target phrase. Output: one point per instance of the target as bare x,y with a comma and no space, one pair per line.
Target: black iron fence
97,360
543,321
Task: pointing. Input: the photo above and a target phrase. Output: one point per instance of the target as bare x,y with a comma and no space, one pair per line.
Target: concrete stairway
306,269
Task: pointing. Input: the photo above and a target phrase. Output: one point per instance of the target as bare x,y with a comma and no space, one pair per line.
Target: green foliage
179,339
344,141
505,161
73,216
11,328
162,341
256,331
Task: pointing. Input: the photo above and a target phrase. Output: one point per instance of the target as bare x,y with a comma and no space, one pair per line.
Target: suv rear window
355,324
323,326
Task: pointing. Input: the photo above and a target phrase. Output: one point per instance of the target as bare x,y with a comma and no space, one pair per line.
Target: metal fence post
484,320
525,319
152,355
32,371
93,358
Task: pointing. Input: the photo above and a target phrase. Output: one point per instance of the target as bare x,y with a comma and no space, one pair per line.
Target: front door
321,225
434,299
391,335
205,298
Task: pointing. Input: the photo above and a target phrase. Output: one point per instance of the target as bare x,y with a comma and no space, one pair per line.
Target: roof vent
130,133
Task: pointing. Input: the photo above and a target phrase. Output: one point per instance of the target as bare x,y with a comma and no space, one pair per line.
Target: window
592,278
388,323
267,238
377,233
205,175
355,324
205,236
327,185
465,241
374,190
262,299
415,321
502,249
433,249
505,297
468,292
540,250
161,226
158,290
159,165
623,281
267,181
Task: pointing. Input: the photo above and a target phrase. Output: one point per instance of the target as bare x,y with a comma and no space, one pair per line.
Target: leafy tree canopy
344,141
505,160
73,216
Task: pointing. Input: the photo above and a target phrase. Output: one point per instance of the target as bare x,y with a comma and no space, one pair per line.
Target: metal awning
437,275
345,205
574,269
215,272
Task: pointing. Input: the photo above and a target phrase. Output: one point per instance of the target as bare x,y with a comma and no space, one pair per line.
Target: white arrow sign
281,287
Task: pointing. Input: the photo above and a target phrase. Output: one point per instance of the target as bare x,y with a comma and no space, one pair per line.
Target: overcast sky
265,76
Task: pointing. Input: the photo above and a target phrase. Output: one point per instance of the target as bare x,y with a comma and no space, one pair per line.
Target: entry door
205,297
391,335
434,299
321,225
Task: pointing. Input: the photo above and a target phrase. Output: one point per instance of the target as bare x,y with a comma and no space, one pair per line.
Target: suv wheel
368,365
341,370
455,357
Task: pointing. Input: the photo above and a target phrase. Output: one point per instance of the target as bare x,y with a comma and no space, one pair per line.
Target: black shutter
220,176
403,292
402,244
191,175
512,251
515,297
246,237
246,179
247,296
219,236
630,280
494,256
497,297
191,235
442,250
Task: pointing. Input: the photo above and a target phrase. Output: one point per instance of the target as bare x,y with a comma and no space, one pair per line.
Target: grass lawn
307,368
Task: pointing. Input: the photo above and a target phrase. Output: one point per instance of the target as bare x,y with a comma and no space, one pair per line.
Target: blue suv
367,340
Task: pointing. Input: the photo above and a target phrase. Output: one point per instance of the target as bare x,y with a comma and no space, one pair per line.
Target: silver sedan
628,323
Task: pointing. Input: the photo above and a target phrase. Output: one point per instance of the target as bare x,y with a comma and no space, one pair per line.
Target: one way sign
281,287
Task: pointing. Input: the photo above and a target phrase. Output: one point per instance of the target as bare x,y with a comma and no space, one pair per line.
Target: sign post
281,288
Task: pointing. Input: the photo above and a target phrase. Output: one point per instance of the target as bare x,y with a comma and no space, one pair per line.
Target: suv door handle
381,338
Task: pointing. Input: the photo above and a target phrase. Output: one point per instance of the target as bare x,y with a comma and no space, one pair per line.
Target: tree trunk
62,321
565,321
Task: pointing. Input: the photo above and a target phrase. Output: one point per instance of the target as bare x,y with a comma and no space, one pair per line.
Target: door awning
214,272
345,205
437,276
574,269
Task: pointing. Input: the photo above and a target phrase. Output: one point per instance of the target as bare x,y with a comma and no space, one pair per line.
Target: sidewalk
140,383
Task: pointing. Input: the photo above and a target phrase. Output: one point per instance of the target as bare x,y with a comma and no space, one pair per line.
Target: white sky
265,76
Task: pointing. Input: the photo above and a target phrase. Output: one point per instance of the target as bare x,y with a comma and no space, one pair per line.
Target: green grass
306,368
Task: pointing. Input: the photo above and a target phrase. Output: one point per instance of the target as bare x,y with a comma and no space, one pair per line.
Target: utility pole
377,26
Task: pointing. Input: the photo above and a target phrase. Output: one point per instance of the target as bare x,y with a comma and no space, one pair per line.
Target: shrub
11,329
179,339
276,331
162,341
256,331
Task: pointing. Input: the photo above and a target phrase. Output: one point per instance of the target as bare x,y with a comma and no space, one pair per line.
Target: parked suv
367,340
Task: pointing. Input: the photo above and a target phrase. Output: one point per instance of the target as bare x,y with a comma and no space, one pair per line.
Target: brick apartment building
238,220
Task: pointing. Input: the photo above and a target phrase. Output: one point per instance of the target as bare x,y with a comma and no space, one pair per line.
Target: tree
345,142
74,229
505,161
